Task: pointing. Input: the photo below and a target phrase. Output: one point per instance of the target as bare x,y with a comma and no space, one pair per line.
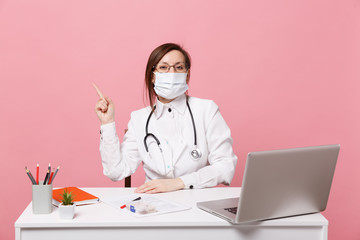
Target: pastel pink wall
284,73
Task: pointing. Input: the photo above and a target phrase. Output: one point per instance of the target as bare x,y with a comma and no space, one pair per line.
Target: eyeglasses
164,68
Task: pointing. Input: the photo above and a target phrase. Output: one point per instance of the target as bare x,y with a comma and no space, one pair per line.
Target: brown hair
154,59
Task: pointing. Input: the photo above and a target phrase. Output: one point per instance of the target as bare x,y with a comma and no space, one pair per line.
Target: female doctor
182,141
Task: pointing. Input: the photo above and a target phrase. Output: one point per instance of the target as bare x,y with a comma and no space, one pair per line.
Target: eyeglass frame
172,66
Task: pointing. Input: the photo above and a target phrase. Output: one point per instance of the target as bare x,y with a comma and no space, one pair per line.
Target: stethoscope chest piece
195,154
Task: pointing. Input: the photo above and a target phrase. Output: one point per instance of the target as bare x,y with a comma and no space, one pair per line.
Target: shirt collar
178,104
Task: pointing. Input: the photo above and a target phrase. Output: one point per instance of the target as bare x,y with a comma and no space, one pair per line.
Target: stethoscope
195,153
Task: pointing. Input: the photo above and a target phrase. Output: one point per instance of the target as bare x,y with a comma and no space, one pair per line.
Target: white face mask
170,85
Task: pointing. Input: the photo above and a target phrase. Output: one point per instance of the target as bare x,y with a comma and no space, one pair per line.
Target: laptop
280,183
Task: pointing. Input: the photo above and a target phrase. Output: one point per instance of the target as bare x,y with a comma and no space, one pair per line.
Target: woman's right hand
104,107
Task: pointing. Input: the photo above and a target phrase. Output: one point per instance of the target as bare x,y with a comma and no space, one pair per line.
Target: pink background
284,73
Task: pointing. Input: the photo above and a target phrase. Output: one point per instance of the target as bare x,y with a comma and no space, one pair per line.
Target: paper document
141,205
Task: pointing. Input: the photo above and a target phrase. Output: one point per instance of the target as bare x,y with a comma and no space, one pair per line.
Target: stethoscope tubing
193,123
147,134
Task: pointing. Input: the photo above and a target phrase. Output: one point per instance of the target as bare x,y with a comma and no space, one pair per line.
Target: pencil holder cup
42,198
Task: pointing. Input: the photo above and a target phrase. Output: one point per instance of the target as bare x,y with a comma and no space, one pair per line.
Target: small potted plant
67,206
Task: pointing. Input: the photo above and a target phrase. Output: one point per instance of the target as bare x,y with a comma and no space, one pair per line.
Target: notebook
280,183
80,196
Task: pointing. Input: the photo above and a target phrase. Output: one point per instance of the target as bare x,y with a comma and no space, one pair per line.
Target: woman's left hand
161,185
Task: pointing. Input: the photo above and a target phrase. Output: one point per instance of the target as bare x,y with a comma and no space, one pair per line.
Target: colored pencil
55,174
51,175
33,179
37,174
30,176
46,177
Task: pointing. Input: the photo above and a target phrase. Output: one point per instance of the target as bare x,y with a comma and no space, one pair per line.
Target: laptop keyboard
232,210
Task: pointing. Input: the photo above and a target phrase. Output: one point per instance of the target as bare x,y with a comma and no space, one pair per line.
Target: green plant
67,198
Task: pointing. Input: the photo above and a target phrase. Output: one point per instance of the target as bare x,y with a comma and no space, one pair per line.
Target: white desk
100,221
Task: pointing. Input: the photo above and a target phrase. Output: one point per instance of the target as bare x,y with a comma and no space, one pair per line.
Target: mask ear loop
187,83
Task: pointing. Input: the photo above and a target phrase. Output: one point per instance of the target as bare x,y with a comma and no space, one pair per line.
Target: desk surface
102,215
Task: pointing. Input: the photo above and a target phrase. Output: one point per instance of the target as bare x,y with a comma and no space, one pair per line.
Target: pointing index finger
98,91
